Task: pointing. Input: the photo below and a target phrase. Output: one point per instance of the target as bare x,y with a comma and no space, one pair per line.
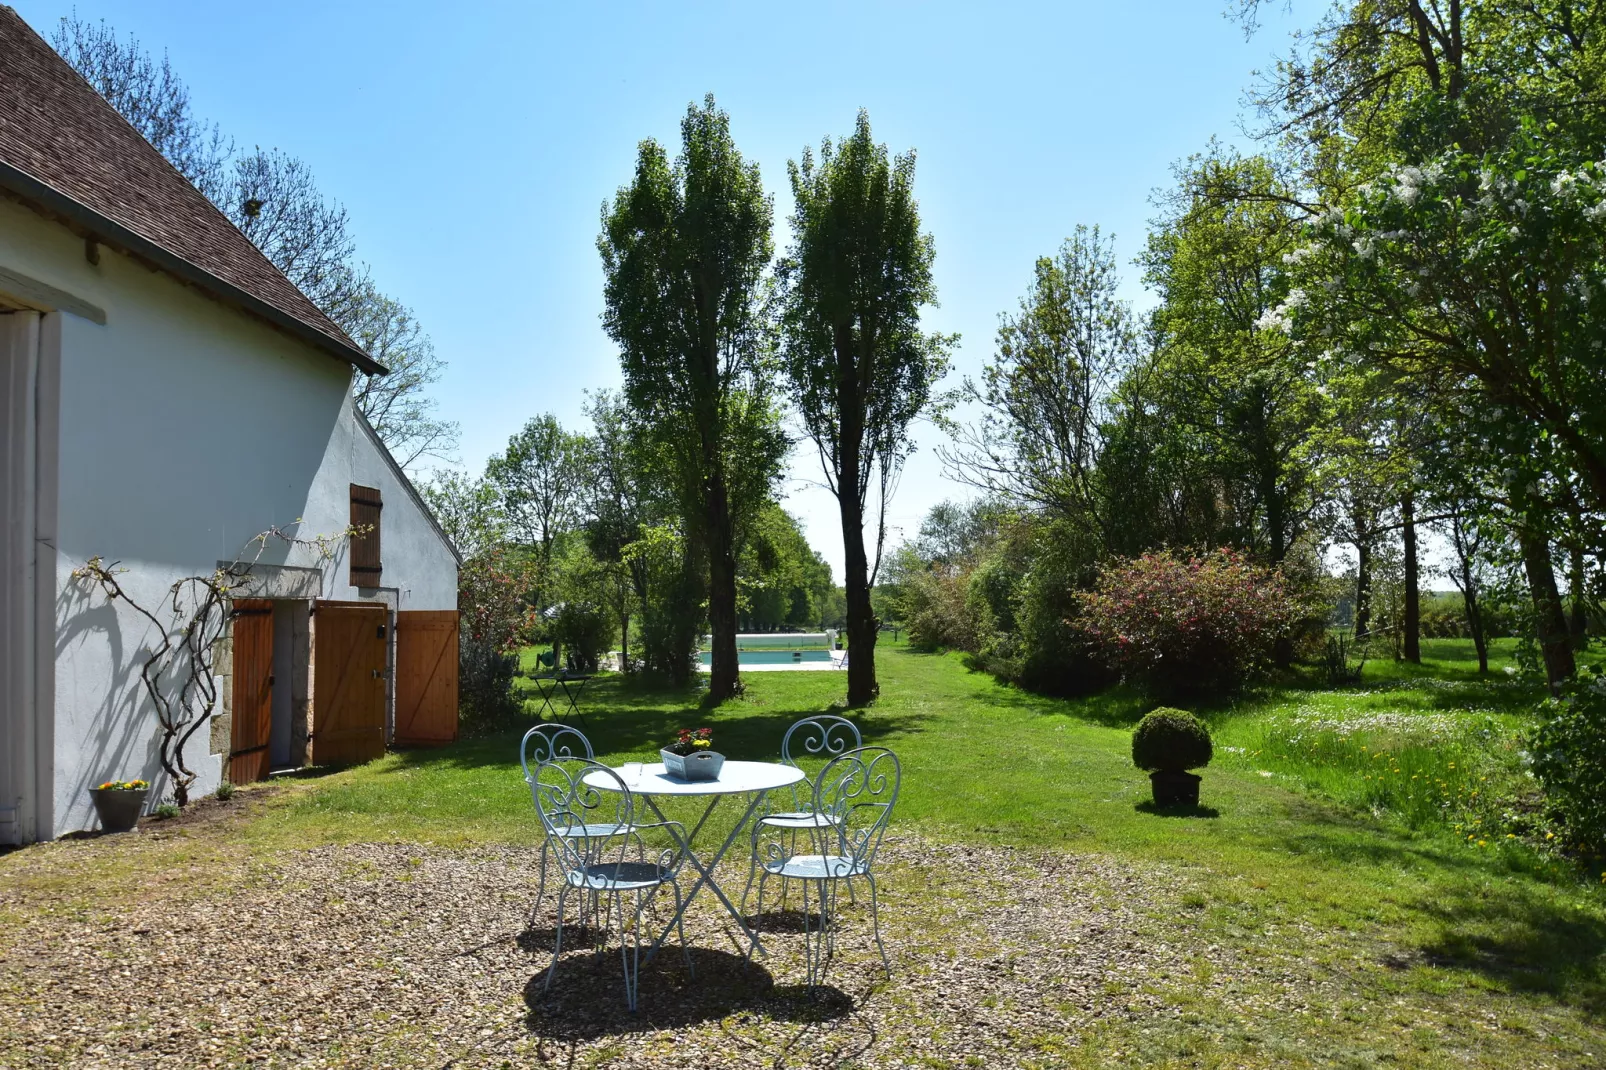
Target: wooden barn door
348,682
426,677
252,718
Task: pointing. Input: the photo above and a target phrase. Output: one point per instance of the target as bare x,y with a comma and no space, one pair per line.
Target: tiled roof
64,148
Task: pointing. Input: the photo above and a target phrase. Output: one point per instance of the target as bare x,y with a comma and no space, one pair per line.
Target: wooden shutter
426,677
251,720
365,562
348,682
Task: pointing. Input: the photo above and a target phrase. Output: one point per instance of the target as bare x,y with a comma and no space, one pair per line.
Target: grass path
1308,931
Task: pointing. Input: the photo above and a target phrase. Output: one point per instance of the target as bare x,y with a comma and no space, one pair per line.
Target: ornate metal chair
588,814
823,736
856,791
548,742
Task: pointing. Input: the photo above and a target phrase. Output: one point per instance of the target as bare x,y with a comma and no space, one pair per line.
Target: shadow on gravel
544,940
783,921
587,999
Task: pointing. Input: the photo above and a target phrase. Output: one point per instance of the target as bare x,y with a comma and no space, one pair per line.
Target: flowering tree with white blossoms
1488,269
1481,275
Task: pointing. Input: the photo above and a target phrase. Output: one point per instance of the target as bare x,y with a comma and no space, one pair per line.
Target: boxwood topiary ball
1171,740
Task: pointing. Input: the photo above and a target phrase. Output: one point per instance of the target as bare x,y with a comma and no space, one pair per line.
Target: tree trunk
1549,621
686,599
850,493
1469,593
861,623
1578,610
1363,590
1271,493
1413,597
1578,616
723,678
1276,522
1480,639
624,640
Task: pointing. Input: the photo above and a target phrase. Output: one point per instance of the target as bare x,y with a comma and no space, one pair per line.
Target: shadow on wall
106,725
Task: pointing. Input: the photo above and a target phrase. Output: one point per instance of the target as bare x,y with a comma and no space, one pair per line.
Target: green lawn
1307,854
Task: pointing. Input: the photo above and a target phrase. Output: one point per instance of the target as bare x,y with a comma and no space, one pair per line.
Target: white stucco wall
419,568
187,427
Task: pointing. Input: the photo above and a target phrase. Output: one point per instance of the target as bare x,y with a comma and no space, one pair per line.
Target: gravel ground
402,955
178,947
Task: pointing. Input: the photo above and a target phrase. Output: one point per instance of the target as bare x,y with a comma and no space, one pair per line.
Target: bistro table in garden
754,779
549,688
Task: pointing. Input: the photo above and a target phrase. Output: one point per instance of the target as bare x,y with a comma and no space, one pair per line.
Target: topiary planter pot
118,808
704,765
1175,788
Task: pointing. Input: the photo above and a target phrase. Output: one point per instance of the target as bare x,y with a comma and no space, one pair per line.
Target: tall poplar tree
860,368
686,250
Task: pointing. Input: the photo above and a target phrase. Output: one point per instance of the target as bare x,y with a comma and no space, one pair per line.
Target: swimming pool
769,657
774,659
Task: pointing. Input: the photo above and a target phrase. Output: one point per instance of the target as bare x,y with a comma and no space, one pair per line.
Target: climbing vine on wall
188,623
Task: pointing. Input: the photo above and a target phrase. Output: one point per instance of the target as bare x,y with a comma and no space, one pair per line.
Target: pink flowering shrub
492,589
494,622
1187,625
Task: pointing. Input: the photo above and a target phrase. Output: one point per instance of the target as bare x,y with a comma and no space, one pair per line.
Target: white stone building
166,395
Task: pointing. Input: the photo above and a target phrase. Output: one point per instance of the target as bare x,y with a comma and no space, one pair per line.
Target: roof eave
110,232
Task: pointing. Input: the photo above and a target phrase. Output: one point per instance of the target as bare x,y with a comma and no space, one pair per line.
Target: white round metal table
755,779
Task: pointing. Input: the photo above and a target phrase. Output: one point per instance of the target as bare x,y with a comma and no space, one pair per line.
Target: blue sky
474,145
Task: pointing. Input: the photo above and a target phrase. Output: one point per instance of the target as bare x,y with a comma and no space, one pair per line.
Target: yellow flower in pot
692,756
118,803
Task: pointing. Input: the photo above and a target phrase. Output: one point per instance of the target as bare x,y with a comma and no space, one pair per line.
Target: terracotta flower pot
1173,787
118,808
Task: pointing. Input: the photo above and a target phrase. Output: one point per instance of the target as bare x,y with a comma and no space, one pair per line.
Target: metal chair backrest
859,789
548,741
823,736
584,820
